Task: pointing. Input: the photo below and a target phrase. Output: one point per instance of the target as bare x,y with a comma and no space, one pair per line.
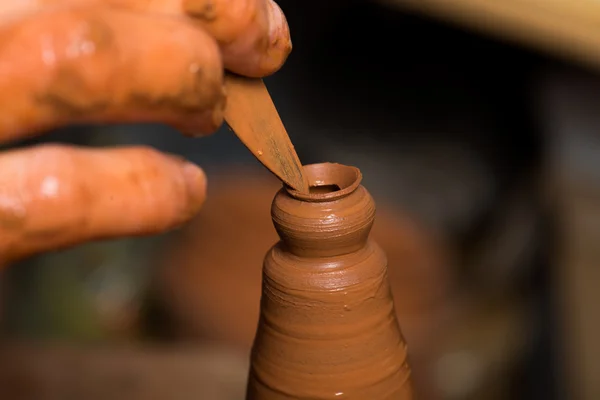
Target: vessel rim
353,180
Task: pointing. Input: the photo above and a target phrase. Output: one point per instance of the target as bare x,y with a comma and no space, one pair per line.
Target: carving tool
252,116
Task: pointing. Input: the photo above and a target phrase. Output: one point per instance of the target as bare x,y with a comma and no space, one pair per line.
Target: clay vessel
327,326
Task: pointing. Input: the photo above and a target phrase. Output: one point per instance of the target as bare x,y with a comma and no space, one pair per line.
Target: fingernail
195,180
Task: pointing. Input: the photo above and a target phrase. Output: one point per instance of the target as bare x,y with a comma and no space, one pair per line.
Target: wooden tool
252,116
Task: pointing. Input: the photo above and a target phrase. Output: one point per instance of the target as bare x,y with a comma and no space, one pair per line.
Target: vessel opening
328,182
322,189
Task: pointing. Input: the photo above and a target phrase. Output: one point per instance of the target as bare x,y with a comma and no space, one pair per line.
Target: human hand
104,61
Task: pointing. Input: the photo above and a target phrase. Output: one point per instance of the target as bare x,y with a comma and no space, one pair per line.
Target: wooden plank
578,279
567,28
568,113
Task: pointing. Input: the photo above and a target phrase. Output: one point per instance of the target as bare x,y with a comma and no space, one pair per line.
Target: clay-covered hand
104,61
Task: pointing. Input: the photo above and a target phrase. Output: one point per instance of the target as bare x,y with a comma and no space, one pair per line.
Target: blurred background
475,124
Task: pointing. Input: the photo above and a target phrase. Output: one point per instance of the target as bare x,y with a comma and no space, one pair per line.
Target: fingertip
280,42
196,183
258,41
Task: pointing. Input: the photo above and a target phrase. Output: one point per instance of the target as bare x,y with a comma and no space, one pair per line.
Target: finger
56,196
254,34
62,66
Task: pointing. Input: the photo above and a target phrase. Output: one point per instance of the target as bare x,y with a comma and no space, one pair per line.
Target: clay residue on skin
186,99
12,214
327,328
69,92
121,61
203,9
68,96
108,65
253,34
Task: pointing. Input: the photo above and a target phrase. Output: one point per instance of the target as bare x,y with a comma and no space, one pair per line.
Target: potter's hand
66,61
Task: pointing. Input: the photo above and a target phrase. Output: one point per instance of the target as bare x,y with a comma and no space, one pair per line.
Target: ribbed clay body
327,327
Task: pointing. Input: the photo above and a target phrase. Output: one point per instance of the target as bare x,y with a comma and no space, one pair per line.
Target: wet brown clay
327,327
